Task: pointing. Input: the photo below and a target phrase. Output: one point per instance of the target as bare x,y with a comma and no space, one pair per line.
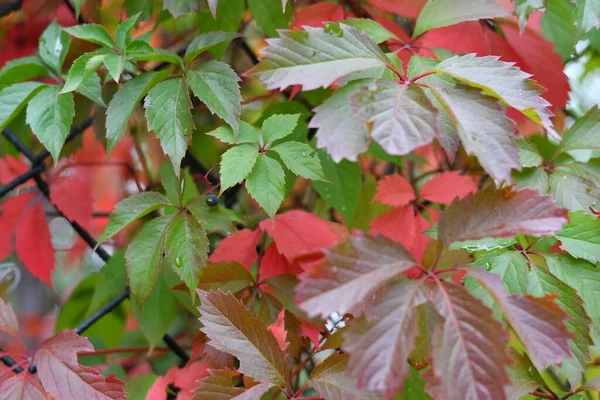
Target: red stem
543,395
400,75
423,75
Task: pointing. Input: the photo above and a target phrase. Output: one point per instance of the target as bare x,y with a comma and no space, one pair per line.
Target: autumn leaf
23,386
394,190
240,247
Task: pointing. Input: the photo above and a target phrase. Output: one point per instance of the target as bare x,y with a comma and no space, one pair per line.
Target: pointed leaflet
54,45
446,186
500,213
168,107
216,84
339,131
277,127
236,164
220,385
22,69
13,98
92,33
298,233
469,357
301,159
330,381
316,58
144,257
538,322
438,13
23,386
124,102
349,275
266,184
588,14
123,32
131,209
240,247
92,89
246,134
483,128
187,248
499,79
34,242
581,236
379,345
584,132
65,378
402,117
394,190
114,64
573,192
204,42
232,328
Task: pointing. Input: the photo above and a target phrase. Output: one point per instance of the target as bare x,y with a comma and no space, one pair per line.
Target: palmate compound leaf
233,329
401,115
316,57
330,380
379,346
483,129
63,376
500,213
469,355
538,322
349,274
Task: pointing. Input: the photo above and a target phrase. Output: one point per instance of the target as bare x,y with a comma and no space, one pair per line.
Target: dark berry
212,200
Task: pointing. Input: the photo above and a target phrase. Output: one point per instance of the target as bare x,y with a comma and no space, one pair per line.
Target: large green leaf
558,26
92,89
50,115
216,84
187,248
277,127
22,69
144,257
124,102
13,98
438,13
301,159
54,45
168,107
581,236
269,15
92,33
316,57
236,164
131,209
81,68
584,132
266,184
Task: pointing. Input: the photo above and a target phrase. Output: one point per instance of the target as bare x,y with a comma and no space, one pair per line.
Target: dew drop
178,262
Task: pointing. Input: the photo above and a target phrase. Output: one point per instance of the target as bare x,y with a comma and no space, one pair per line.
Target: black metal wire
6,9
21,179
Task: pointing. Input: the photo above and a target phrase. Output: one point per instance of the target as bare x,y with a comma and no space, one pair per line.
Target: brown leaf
350,273
220,385
65,378
539,322
500,213
232,328
380,345
469,356
330,381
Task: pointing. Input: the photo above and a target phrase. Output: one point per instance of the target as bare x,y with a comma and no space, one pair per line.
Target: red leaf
65,378
158,390
408,8
394,190
34,245
240,247
73,196
299,233
311,331
23,387
274,264
316,14
278,330
446,186
187,378
11,167
9,218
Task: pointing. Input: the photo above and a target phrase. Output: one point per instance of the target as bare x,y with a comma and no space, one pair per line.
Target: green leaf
277,127
180,7
144,257
54,45
92,33
216,84
581,236
131,209
588,14
168,113
50,115
583,134
375,31
138,47
246,134
81,69
22,69
157,313
77,6
438,13
157,55
124,102
236,164
558,26
511,266
13,98
524,8
573,192
204,42
212,218
92,89
266,184
528,154
342,191
270,16
115,64
170,182
112,280
316,58
533,178
123,32
187,248
301,159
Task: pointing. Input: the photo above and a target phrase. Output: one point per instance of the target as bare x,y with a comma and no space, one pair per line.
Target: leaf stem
543,395
400,75
423,75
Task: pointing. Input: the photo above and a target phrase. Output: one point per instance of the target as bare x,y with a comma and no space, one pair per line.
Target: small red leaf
407,8
394,190
12,210
446,186
240,247
274,264
278,330
73,197
316,14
